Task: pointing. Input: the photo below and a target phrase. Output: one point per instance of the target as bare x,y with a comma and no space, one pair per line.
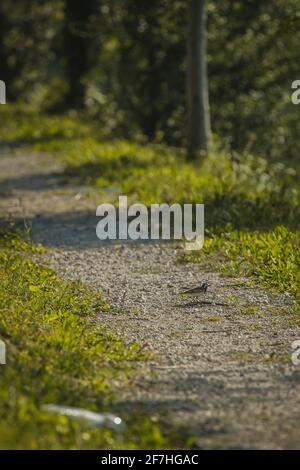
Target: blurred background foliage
123,63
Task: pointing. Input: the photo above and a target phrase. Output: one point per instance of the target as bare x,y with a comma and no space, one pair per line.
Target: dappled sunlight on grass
249,199
57,354
273,257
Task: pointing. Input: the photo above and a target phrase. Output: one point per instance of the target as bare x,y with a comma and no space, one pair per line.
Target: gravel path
218,366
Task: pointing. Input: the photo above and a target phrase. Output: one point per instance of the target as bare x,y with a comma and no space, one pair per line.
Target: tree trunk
5,74
198,101
77,48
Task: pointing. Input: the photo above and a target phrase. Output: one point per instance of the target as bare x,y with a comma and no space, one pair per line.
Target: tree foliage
131,66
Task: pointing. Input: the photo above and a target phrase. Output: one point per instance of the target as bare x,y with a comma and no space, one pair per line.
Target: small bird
197,290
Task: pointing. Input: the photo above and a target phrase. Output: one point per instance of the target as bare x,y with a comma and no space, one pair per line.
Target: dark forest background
124,64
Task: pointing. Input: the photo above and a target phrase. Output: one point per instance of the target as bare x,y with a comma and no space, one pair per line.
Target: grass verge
271,258
57,354
241,192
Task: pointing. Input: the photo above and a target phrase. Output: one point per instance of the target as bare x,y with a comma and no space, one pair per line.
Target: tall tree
198,100
5,74
77,40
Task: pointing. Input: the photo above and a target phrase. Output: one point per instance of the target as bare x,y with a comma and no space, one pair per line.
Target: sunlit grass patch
58,353
272,257
21,125
251,203
240,191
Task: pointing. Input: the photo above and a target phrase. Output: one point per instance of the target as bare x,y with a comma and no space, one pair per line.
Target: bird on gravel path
197,290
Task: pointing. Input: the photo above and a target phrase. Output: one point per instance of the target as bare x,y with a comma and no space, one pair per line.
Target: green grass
57,353
272,258
22,125
252,209
240,191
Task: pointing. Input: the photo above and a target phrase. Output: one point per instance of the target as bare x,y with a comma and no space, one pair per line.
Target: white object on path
89,417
